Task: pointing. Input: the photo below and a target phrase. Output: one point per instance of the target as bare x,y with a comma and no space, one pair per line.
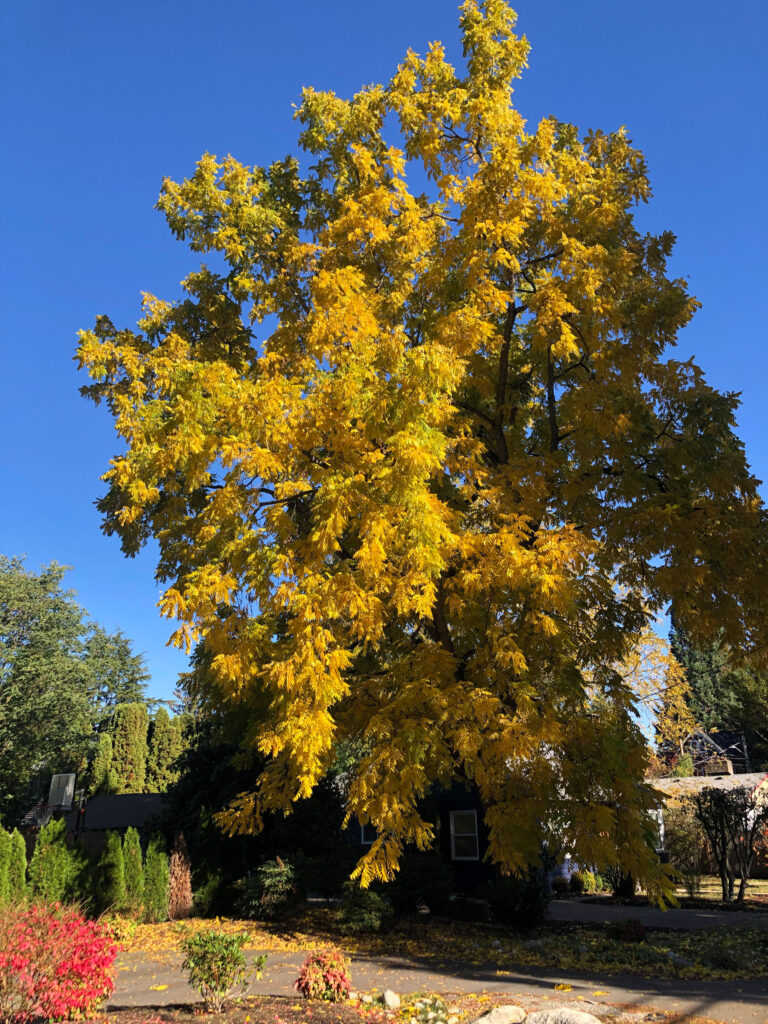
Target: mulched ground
283,1010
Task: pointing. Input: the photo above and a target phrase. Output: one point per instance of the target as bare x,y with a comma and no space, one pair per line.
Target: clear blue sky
99,100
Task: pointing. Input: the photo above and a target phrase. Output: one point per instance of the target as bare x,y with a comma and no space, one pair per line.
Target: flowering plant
54,964
324,975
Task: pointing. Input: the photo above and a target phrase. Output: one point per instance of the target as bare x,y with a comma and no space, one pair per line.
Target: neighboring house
709,752
675,789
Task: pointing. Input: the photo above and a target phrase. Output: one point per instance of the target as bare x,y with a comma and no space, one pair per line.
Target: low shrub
217,967
560,885
577,883
325,975
424,880
207,897
630,930
272,892
361,910
54,964
521,900
621,884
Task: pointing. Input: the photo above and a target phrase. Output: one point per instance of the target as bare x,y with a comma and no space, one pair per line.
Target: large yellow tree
418,463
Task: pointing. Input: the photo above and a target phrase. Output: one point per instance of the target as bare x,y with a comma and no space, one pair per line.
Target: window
464,844
367,835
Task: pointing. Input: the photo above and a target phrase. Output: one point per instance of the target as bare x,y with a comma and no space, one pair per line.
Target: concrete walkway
586,912
156,980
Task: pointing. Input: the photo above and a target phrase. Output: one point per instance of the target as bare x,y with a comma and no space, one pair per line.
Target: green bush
577,883
5,862
57,873
208,896
521,900
272,892
560,885
110,875
423,880
216,966
17,867
361,910
156,880
134,872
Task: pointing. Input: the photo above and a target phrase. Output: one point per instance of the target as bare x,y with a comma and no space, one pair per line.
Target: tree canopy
419,464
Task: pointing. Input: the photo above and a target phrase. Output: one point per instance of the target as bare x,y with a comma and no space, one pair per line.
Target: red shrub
54,964
324,975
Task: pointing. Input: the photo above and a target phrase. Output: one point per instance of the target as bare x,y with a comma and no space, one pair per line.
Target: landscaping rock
390,999
679,961
561,1015
503,1015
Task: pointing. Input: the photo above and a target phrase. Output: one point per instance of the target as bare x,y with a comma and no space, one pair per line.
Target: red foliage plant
54,964
324,975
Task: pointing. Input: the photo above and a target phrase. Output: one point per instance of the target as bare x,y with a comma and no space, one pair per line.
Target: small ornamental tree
111,875
5,857
733,820
156,880
17,867
134,872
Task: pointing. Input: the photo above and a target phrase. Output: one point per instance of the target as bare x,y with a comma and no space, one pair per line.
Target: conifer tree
129,747
53,868
102,766
111,875
156,880
5,859
17,867
134,872
160,772
180,881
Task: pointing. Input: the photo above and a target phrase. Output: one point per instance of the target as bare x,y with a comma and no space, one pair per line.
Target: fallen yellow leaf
564,988
157,988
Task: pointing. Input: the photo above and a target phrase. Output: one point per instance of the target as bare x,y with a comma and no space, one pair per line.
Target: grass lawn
713,953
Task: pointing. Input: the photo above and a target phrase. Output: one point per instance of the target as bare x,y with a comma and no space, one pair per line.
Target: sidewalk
156,980
579,909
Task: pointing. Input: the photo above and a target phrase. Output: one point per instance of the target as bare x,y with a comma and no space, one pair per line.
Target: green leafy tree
111,875
17,867
134,872
5,863
129,747
156,880
45,718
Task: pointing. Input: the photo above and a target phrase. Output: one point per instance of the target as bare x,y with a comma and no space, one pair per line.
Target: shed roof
692,784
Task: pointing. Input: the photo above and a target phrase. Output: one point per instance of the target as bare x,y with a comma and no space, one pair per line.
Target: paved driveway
690,920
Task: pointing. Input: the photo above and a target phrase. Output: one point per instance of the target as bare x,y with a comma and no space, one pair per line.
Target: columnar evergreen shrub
324,975
17,867
161,754
56,870
111,875
54,964
102,765
134,872
5,858
156,880
180,881
129,747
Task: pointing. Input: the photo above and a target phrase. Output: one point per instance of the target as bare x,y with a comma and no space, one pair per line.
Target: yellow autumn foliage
421,464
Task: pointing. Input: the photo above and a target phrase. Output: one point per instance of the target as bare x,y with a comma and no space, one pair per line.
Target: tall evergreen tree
134,872
115,675
17,867
160,768
129,747
156,880
101,766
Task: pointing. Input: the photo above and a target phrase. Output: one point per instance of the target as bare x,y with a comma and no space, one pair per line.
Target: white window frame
463,835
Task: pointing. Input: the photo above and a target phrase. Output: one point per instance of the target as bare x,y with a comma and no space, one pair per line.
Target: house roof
124,810
692,784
